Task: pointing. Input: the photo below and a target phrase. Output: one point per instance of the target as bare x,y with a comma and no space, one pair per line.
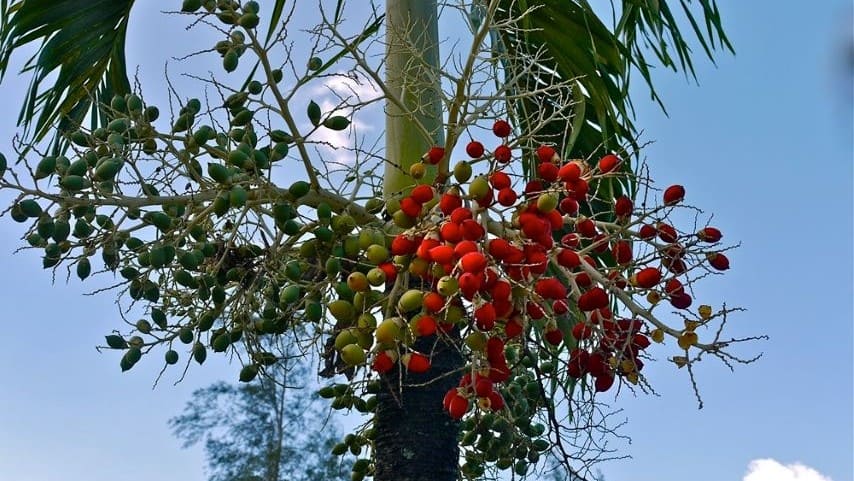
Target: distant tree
267,430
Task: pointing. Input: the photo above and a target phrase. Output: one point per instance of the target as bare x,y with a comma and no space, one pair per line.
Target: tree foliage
503,250
272,429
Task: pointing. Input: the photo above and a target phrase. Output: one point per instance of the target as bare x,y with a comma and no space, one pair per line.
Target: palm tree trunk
415,440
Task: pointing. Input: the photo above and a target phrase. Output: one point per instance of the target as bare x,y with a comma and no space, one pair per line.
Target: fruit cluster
547,276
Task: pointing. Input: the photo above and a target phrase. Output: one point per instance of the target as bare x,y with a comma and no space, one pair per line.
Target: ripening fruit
647,232
705,311
608,163
546,153
657,335
501,129
416,362
623,206
458,406
687,339
647,278
417,170
434,155
709,234
718,261
410,300
503,154
383,362
353,355
674,195
475,149
473,262
554,336
388,332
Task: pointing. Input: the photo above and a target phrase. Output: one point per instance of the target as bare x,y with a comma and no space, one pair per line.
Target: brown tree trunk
415,439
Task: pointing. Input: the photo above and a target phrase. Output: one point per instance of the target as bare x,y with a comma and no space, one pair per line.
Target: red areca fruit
647,232
548,171
674,194
608,163
416,362
569,172
503,154
435,155
507,197
595,298
475,149
484,317
422,194
483,386
673,287
382,362
667,233
513,327
433,302
568,206
410,207
473,262
426,326
622,252
554,336
648,277
718,261
458,406
501,129
623,206
546,153
450,202
709,234
604,382
499,180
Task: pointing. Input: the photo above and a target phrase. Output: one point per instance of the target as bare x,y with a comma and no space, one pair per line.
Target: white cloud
773,470
330,96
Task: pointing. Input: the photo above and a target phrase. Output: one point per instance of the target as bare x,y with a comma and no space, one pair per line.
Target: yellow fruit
366,321
417,170
691,325
454,314
376,254
462,171
657,335
410,300
705,311
632,377
342,310
358,282
479,187
388,331
653,297
376,277
344,338
353,355
447,286
547,203
418,267
476,341
687,339
680,361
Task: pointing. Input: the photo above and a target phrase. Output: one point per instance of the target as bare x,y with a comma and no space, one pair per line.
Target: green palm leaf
563,39
82,43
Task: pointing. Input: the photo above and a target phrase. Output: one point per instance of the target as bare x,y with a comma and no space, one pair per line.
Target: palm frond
80,58
563,39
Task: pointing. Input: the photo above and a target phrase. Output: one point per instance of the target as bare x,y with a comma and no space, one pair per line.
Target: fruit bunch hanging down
512,271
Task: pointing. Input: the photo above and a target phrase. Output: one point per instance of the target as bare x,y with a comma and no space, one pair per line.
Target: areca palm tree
596,51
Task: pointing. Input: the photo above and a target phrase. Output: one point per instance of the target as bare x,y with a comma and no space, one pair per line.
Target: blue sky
763,142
